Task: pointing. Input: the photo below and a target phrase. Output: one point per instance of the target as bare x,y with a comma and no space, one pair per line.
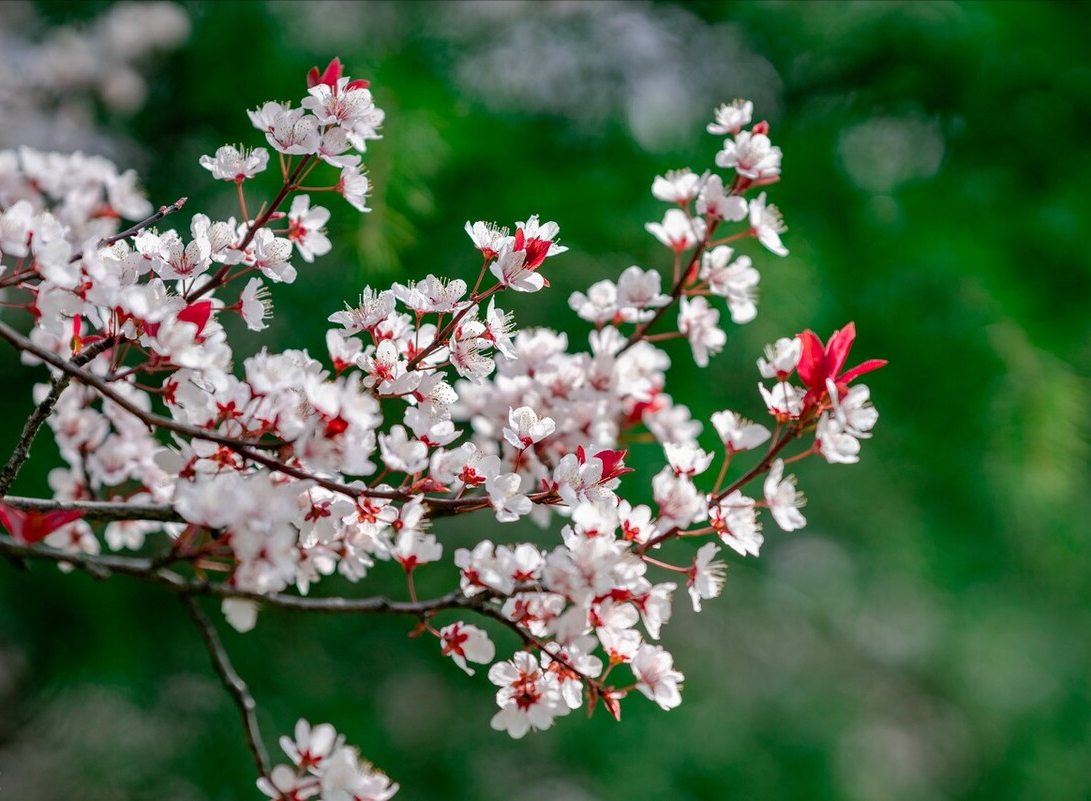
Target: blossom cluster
323,767
428,401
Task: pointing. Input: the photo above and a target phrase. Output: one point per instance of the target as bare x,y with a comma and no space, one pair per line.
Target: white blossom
737,433
752,155
656,677
767,225
731,117
783,499
236,164
465,643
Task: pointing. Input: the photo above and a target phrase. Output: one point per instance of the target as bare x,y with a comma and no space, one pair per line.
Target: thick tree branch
99,510
88,378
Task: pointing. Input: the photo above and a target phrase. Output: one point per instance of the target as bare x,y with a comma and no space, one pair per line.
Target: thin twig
290,185
18,277
762,466
441,336
31,274
136,228
676,292
233,682
530,640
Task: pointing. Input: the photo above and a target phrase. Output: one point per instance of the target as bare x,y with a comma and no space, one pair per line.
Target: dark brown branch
762,466
530,641
233,682
19,277
441,336
20,342
104,565
100,510
136,228
37,418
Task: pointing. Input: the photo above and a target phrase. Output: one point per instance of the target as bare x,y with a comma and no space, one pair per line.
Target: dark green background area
927,636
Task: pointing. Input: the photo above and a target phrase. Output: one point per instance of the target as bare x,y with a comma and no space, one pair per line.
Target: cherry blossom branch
137,227
74,370
290,185
41,413
233,682
675,294
761,467
307,492
530,640
442,335
438,339
30,273
244,448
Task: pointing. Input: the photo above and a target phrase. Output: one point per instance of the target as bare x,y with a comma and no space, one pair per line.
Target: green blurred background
927,636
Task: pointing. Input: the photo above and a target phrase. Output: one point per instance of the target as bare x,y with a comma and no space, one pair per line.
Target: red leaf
612,464
330,76
32,525
197,313
837,350
811,361
860,369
